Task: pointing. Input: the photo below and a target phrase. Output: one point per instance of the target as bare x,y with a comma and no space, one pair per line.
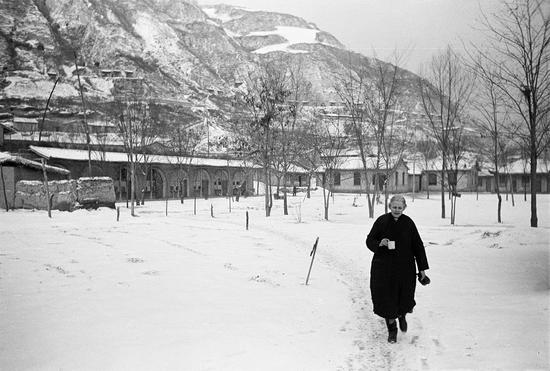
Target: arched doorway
239,183
123,184
221,183
201,186
154,184
180,186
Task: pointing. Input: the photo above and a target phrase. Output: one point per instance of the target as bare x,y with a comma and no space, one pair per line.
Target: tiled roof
121,157
7,159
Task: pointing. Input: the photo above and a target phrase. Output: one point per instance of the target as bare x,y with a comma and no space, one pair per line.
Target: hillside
173,52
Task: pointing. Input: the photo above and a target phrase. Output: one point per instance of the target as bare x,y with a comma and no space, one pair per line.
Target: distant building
158,176
516,177
349,175
15,168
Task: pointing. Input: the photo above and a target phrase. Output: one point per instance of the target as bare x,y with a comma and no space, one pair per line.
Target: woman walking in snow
396,245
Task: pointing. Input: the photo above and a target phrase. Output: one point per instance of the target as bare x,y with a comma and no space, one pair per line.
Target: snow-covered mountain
179,53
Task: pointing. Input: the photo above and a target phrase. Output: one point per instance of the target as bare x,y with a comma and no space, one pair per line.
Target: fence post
118,213
312,254
247,220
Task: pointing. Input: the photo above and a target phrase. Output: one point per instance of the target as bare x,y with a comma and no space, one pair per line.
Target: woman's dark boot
392,330
402,323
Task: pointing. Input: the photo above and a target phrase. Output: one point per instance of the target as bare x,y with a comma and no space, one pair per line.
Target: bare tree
445,92
85,120
393,143
184,141
428,148
382,109
353,88
456,152
287,144
519,46
267,91
492,122
328,140
370,92
310,158
137,130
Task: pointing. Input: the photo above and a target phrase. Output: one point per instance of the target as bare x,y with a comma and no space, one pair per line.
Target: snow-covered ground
81,291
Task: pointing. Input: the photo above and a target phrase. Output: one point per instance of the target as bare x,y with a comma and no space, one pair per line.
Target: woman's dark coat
393,274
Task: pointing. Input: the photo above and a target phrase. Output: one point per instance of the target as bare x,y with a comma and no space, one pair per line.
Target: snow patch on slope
293,35
157,36
217,14
161,43
26,88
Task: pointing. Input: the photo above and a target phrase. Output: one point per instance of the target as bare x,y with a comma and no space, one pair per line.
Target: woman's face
397,208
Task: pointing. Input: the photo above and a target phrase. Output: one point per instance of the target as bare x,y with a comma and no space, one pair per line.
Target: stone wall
66,195
96,191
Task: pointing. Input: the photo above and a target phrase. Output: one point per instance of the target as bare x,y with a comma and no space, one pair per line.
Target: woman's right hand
384,242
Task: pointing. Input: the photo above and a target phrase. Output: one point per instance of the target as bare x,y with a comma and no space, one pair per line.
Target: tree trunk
326,199
370,202
267,192
499,219
386,196
511,189
308,186
534,219
46,186
443,188
453,197
499,197
132,187
454,208
506,185
86,128
4,187
513,199
524,187
120,185
46,110
428,187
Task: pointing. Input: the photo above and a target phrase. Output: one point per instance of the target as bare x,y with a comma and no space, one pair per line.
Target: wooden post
117,213
195,205
119,185
167,207
229,198
4,187
247,220
312,254
47,188
46,110
211,210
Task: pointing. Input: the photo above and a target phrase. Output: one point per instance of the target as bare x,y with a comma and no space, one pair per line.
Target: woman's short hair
398,198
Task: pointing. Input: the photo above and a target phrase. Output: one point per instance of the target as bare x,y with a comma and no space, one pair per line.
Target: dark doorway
204,188
155,184
225,183
184,188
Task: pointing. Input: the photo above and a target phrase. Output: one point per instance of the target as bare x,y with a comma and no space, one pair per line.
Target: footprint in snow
151,273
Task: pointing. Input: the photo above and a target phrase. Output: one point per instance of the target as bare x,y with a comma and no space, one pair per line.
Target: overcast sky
421,26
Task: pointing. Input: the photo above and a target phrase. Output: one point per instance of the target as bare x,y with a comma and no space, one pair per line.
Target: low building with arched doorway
158,176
